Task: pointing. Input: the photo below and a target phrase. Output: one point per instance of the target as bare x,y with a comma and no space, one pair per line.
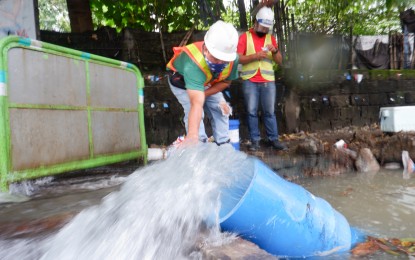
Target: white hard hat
265,17
221,41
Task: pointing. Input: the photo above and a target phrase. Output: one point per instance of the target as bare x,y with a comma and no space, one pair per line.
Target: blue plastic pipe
282,217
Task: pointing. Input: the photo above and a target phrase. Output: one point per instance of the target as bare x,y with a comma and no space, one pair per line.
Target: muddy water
382,204
45,207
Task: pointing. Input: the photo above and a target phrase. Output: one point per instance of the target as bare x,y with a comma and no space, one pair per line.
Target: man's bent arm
277,57
197,99
218,87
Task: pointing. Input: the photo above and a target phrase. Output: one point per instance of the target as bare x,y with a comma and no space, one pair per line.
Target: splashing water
20,192
29,187
167,210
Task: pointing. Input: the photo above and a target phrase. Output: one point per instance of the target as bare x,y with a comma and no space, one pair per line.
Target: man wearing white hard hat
198,74
258,51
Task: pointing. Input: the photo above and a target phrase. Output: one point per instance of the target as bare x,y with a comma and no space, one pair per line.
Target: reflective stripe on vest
194,50
265,65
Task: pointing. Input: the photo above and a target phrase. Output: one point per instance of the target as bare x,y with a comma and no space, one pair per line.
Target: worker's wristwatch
276,51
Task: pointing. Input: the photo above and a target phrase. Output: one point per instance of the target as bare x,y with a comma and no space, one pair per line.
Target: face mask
260,34
216,67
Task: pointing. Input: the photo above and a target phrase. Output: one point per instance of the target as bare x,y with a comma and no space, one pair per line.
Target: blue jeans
220,123
264,93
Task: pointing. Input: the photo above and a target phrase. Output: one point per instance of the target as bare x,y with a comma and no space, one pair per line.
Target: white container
396,119
340,144
156,154
234,133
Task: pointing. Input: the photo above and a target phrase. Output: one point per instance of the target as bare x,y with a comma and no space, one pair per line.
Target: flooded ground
25,226
381,204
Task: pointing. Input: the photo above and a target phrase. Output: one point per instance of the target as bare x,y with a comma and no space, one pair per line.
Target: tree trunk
80,16
242,15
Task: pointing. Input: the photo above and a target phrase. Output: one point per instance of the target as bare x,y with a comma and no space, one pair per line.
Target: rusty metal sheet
115,132
42,137
42,78
113,87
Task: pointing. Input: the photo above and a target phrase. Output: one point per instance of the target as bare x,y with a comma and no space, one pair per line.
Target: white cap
265,17
221,41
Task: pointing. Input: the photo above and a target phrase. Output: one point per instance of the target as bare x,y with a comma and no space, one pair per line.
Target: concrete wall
18,17
335,99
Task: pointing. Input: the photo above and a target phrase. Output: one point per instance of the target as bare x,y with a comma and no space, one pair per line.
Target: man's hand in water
185,140
190,141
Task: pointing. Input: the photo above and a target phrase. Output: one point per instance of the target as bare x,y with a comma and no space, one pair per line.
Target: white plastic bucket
234,133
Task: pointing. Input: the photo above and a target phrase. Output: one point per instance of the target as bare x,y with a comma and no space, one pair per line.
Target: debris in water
393,246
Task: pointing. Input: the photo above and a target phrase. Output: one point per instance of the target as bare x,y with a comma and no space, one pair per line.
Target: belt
176,79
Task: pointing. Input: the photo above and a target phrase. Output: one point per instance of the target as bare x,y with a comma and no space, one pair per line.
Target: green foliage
367,17
148,15
231,15
53,15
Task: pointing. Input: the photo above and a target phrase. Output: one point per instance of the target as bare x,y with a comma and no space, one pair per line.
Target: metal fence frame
8,174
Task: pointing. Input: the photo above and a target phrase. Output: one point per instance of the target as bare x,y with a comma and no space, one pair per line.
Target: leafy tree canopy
150,15
366,17
53,15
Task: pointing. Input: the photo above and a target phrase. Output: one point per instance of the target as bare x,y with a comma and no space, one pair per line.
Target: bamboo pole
187,37
295,38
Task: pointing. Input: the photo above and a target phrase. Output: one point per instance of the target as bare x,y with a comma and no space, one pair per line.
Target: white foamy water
167,210
29,187
20,192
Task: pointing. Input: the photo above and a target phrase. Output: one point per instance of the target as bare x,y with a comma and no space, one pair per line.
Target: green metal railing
63,110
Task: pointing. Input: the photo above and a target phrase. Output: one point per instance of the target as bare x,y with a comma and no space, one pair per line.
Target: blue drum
282,217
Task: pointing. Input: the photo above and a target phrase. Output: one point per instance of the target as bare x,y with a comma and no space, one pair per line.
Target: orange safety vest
194,50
